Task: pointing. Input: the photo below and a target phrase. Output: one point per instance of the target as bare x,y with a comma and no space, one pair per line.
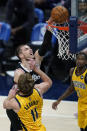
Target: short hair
25,83
82,53
18,50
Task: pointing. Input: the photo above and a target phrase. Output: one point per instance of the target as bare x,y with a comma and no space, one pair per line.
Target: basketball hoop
61,32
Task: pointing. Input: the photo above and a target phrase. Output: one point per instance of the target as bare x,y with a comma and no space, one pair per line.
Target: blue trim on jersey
24,127
38,92
18,102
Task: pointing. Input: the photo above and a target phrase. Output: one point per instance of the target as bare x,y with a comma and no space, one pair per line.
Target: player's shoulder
71,71
19,70
37,90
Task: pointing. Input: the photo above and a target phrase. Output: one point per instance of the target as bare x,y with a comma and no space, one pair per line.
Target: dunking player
78,84
28,102
25,54
55,62
46,45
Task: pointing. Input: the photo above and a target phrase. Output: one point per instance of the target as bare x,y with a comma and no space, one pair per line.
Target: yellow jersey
30,111
81,89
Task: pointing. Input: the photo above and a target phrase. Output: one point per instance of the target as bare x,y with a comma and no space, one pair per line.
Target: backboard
78,25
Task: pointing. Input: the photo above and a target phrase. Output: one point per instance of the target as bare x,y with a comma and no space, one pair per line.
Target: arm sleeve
46,45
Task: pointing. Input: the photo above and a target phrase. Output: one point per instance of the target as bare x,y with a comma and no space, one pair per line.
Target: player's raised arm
46,81
46,84
45,47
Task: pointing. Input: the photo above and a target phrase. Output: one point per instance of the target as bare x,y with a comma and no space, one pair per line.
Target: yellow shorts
82,119
42,128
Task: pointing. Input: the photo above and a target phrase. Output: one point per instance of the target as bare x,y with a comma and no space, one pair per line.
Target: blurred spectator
20,15
82,8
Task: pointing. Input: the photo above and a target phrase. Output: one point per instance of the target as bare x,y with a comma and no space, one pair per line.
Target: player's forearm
18,28
38,58
67,93
46,45
6,102
43,76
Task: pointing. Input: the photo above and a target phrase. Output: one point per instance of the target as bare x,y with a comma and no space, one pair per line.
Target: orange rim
82,27
59,27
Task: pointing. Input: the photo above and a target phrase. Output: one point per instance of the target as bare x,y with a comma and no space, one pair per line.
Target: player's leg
85,129
81,118
81,129
85,121
15,121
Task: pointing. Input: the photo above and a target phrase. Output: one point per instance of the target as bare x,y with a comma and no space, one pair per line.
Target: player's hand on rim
50,21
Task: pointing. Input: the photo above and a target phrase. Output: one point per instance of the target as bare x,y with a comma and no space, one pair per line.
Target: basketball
59,14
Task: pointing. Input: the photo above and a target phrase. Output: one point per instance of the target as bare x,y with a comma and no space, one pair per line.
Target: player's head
25,84
24,52
81,59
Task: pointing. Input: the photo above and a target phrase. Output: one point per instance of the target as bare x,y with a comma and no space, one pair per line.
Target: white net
63,42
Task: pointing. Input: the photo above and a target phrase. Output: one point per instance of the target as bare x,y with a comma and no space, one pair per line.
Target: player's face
27,52
80,61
